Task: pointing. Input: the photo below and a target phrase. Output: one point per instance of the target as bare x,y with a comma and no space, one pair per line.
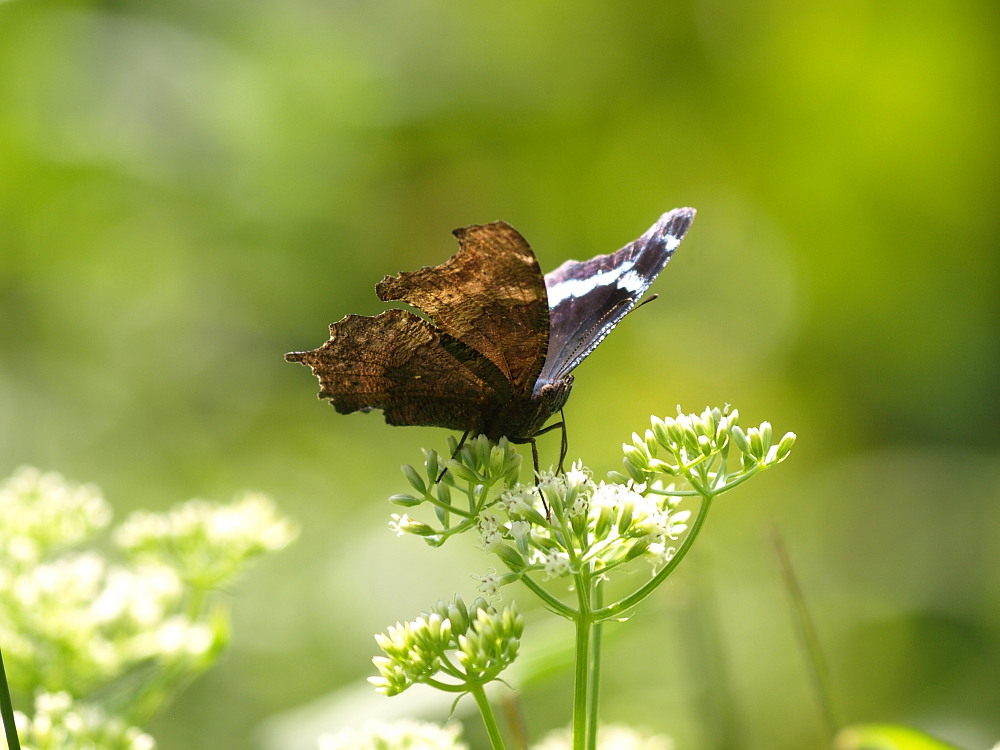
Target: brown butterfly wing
490,295
414,373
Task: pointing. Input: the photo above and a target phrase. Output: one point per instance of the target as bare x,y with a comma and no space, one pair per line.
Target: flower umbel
60,723
479,472
105,643
452,647
207,543
696,448
570,526
593,527
42,512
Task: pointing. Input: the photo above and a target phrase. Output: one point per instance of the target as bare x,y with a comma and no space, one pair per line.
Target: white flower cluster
594,524
206,542
99,618
74,623
60,724
42,511
397,735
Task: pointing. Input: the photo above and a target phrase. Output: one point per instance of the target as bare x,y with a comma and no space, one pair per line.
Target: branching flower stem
489,718
623,606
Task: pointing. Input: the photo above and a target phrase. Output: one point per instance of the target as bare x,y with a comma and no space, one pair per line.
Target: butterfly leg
453,454
534,458
564,445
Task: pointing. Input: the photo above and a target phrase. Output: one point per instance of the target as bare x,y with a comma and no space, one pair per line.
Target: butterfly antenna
453,454
648,299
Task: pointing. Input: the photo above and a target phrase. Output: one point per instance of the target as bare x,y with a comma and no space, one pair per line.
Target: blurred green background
188,190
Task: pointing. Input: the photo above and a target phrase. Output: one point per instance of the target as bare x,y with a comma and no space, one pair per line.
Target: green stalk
7,711
595,669
581,682
807,633
489,718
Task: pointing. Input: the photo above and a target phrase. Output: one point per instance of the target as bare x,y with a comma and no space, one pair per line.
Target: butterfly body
496,355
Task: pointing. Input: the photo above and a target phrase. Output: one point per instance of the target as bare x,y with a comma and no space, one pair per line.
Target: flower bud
785,446
411,526
766,435
675,431
635,456
458,615
740,438
407,501
432,464
634,471
498,457
459,470
510,556
444,493
638,547
625,512
689,437
701,426
705,444
416,481
660,431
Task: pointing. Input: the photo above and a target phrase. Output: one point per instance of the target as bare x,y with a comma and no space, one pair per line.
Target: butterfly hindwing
587,299
401,364
490,295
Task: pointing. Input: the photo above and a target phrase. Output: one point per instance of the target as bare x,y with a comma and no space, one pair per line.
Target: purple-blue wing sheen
587,299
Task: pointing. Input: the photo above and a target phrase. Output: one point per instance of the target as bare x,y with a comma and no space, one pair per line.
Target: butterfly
496,353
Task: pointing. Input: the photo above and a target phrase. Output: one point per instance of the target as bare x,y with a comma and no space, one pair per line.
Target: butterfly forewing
490,295
587,299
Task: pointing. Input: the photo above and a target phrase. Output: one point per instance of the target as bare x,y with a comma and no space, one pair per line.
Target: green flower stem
550,601
595,669
622,606
581,682
196,603
807,634
465,514
446,687
7,711
740,479
489,718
